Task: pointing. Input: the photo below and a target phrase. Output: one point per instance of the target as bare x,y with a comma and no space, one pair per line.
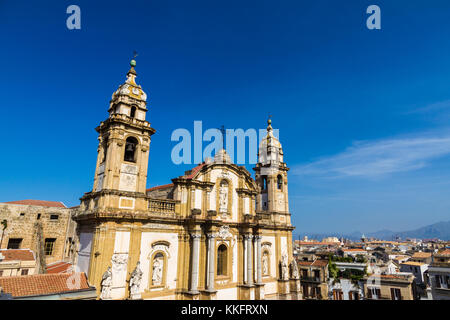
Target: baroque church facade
213,233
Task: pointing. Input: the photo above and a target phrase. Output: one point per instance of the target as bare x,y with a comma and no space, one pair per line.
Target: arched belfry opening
130,149
133,112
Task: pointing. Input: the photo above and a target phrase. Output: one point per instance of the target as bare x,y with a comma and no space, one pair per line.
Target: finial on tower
269,123
133,63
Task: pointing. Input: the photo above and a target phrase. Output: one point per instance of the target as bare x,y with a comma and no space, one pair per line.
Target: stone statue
135,281
265,264
284,267
106,285
294,270
223,197
157,270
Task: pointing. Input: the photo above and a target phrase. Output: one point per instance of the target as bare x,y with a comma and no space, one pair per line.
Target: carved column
258,260
244,243
210,284
249,260
195,251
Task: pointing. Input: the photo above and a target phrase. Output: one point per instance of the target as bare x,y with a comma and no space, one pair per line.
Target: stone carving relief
223,197
265,263
135,281
284,267
119,262
106,285
128,177
157,269
294,270
225,234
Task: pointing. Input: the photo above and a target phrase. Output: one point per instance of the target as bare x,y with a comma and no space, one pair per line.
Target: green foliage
353,274
332,269
342,259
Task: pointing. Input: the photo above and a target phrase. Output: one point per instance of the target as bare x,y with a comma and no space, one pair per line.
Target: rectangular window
54,217
1,273
438,281
374,293
14,243
22,214
316,275
396,294
337,294
48,246
24,272
38,216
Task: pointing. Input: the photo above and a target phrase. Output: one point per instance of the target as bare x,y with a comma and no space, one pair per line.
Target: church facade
213,233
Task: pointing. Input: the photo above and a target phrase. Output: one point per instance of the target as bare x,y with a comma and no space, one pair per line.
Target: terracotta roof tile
194,171
422,255
59,267
42,203
17,254
316,243
42,284
164,186
315,263
445,252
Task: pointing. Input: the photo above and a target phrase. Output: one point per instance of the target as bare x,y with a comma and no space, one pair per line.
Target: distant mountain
440,230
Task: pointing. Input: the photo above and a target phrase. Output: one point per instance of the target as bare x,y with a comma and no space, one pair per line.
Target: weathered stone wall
163,193
25,227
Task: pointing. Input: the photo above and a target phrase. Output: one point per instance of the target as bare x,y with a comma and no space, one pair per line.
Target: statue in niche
135,280
106,285
223,197
265,264
294,270
284,267
158,265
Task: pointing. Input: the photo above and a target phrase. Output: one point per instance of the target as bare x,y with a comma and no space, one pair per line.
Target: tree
332,269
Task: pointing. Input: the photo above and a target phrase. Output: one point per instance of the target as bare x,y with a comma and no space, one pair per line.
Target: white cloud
379,158
434,107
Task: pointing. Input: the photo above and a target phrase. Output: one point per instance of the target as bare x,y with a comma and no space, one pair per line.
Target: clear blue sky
364,116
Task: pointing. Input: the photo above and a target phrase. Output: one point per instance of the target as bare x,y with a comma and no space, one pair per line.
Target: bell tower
271,175
123,151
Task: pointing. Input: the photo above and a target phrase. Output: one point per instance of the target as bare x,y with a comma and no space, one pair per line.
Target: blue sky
364,116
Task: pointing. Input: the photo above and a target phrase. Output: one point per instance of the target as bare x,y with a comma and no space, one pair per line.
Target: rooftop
422,255
315,263
41,203
59,267
413,263
42,284
17,254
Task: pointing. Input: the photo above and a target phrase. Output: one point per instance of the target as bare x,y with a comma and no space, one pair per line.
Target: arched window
264,182
133,112
157,269
105,149
222,260
279,182
130,149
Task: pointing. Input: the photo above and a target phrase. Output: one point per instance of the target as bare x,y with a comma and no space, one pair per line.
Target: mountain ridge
439,230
